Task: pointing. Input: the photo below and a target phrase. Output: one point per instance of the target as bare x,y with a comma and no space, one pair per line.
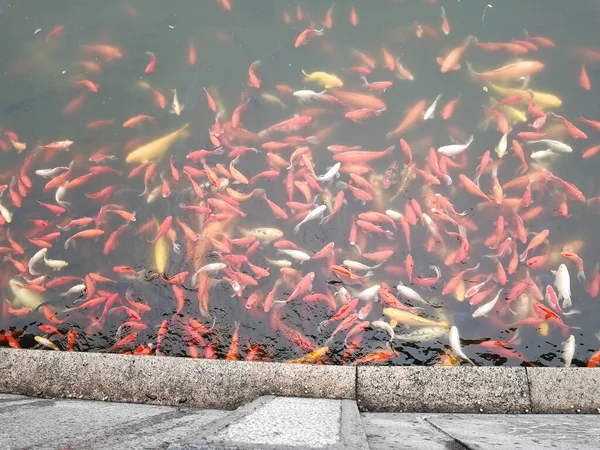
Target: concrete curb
166,381
230,384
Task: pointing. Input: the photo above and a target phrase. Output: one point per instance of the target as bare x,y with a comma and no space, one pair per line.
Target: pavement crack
458,444
528,390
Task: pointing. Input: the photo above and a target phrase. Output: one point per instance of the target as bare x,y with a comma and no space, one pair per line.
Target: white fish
542,154
486,308
264,235
569,350
430,112
557,146
298,255
306,94
343,295
55,264
394,215
409,293
383,325
312,215
423,334
176,107
41,254
333,172
60,194
562,283
455,344
369,294
502,145
279,262
212,267
46,342
24,297
5,213
356,265
77,289
208,268
51,173
455,149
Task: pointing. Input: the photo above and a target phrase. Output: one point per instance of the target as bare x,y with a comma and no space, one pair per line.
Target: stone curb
230,384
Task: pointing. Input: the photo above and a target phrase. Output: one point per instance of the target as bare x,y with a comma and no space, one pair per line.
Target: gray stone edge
227,385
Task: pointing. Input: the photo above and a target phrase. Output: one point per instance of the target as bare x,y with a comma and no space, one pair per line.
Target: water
138,305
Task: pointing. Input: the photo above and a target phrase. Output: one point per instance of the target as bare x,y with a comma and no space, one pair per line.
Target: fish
451,61
553,145
306,94
508,72
455,344
562,283
410,319
542,99
263,235
315,213
569,350
430,112
332,172
24,297
455,149
156,149
35,259
423,334
324,79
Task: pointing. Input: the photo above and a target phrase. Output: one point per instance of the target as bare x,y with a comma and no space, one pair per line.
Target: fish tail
297,228
470,69
304,73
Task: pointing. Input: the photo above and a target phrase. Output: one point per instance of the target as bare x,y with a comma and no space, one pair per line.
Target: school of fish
346,253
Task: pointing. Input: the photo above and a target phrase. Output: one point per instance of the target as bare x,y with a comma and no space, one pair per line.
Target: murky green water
128,301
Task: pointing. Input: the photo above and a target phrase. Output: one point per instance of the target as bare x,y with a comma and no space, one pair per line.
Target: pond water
157,160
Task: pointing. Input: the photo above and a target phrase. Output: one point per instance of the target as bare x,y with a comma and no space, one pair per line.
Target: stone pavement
277,423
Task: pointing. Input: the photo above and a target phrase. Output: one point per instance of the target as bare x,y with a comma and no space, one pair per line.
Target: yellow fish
161,253
541,99
24,298
310,358
410,319
512,114
273,99
155,150
324,79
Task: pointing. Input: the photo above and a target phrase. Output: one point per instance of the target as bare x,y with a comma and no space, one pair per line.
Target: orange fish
509,72
353,17
107,52
452,60
414,115
192,57
584,79
253,80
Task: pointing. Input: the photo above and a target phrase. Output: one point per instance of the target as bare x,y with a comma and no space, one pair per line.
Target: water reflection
344,188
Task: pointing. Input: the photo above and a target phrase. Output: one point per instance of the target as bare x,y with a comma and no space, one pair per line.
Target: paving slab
294,422
164,380
442,389
151,435
52,424
564,390
521,431
390,431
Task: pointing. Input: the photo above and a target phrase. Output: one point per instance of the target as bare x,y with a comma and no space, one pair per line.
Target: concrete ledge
230,384
164,380
560,390
443,389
